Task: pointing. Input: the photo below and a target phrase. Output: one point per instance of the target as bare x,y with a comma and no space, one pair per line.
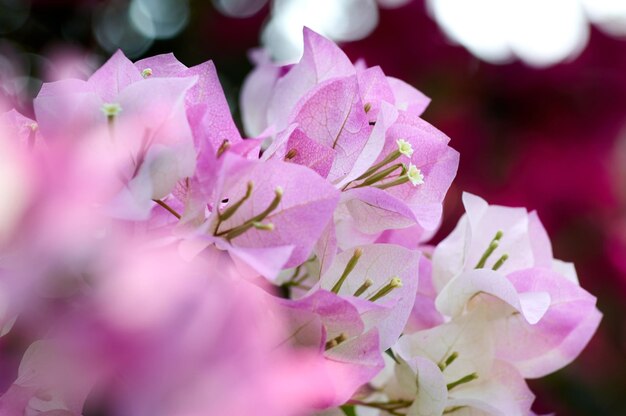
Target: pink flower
365,145
542,318
141,120
333,326
381,281
267,214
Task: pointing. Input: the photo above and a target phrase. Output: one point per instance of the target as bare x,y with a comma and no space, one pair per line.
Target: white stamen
111,109
415,175
404,147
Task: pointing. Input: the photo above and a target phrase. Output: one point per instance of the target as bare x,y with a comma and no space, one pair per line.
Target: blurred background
532,93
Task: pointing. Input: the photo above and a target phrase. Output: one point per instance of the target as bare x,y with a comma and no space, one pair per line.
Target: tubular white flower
415,175
405,147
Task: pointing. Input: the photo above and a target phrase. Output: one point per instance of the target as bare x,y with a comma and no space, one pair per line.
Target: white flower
415,175
111,109
405,147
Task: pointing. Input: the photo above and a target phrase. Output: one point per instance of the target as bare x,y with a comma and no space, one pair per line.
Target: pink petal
114,76
321,61
559,337
306,207
344,129
374,89
164,65
380,263
407,98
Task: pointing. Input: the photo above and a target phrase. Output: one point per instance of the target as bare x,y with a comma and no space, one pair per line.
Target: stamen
263,226
377,177
449,360
415,175
223,147
500,261
111,110
231,209
146,72
449,410
349,267
393,283
237,231
400,181
291,154
367,107
462,380
404,147
336,341
32,134
366,284
493,245
331,344
167,208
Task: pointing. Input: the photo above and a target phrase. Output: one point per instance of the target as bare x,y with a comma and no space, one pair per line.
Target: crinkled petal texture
376,210
374,144
332,114
559,337
437,162
379,263
305,207
325,110
524,240
322,60
295,146
322,316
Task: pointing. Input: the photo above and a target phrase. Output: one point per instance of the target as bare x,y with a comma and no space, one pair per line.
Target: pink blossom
333,326
354,146
381,283
542,318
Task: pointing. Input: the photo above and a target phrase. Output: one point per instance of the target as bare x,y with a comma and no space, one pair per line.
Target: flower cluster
157,263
